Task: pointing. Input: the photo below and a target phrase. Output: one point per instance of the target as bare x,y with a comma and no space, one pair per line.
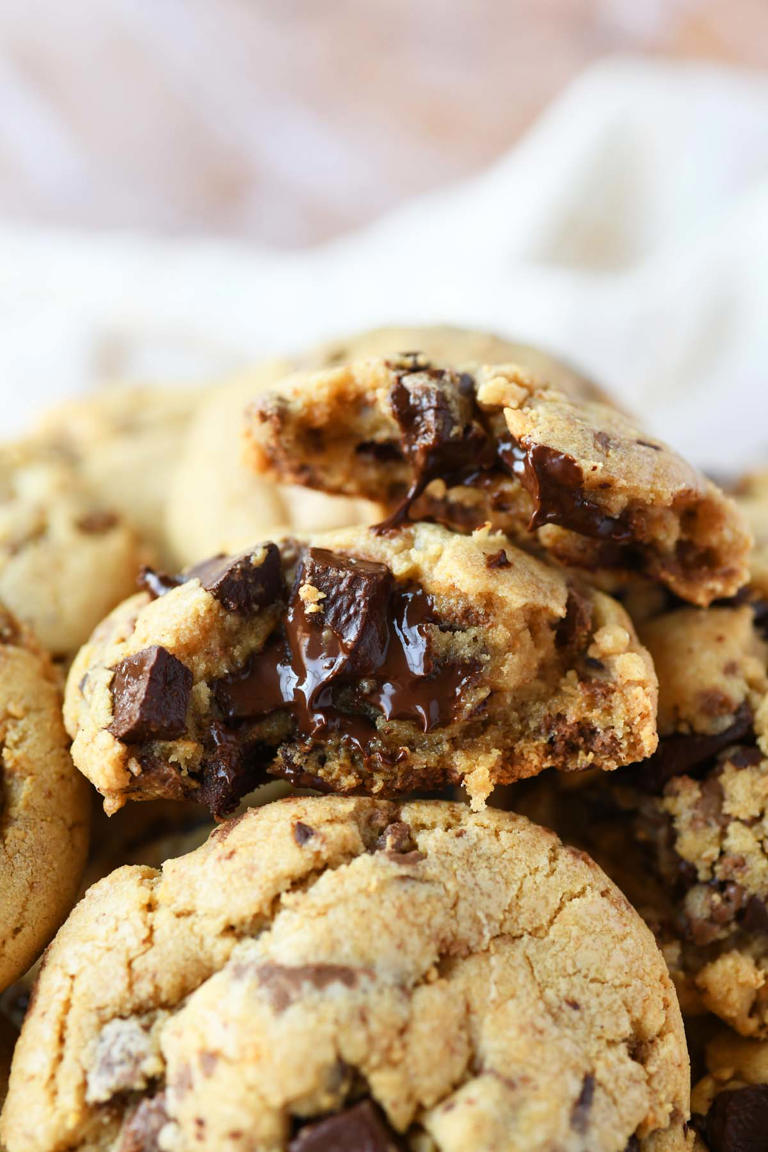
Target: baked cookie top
447,344
348,973
123,442
66,557
570,476
358,662
45,804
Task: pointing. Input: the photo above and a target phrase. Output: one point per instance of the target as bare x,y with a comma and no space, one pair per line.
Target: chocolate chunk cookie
572,477
66,558
351,974
692,820
45,805
358,662
216,503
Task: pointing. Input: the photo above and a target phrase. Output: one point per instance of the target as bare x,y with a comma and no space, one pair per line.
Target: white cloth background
628,231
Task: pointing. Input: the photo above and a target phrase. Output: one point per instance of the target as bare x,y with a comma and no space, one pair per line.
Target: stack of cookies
445,694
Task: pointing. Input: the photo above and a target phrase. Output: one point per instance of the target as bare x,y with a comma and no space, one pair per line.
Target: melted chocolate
555,483
440,439
364,652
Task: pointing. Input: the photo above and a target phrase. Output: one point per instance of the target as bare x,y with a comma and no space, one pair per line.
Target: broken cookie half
568,476
359,663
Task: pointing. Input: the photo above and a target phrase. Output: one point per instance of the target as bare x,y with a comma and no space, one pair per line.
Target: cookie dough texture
217,504
572,477
513,667
45,804
314,952
66,557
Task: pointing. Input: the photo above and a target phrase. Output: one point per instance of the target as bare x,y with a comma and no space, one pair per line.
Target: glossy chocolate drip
555,483
360,650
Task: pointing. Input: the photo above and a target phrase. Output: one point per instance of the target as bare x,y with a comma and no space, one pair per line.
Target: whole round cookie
358,662
66,557
45,804
217,504
350,974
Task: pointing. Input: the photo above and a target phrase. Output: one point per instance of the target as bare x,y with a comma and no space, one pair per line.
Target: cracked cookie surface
45,804
359,662
285,987
572,477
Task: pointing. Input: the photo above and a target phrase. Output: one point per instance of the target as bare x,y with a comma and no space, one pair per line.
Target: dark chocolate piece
302,833
755,917
150,696
687,754
239,583
737,1120
157,583
442,437
583,1105
555,483
348,630
141,1128
234,766
371,657
284,984
361,1128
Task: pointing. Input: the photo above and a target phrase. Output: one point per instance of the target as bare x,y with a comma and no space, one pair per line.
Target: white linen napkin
627,231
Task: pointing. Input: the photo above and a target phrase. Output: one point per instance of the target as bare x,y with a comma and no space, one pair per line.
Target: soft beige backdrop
288,121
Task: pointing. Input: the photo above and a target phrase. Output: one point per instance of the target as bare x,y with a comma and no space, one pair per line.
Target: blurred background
289,122
187,186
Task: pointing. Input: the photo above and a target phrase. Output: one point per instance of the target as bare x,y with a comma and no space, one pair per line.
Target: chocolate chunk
755,917
583,1105
157,583
361,1128
555,483
284,985
233,766
302,833
688,754
150,696
96,523
141,1129
241,583
498,560
442,437
353,603
575,628
737,1120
